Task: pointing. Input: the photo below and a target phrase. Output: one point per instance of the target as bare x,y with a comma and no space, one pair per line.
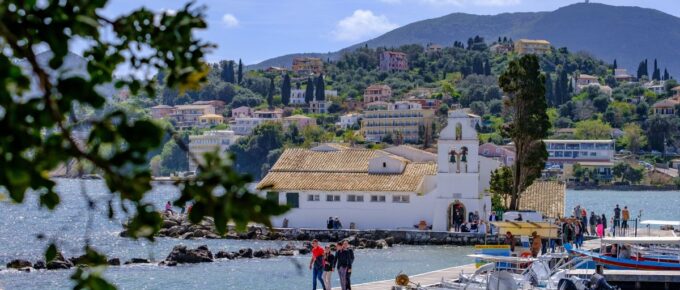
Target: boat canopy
642,240
544,229
492,258
661,223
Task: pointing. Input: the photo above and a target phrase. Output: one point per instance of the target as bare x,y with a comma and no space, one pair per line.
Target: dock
424,279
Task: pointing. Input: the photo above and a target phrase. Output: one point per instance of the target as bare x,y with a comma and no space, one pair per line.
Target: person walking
584,220
316,264
337,224
348,248
603,218
625,215
536,244
328,266
510,240
593,223
344,264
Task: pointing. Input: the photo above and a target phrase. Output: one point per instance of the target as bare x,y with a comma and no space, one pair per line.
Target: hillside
628,34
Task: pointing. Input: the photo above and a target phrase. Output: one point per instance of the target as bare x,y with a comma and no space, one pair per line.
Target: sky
256,30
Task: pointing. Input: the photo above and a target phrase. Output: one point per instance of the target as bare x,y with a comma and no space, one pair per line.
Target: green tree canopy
592,129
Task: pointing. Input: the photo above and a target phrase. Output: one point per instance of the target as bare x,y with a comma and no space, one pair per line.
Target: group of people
536,243
326,260
473,225
168,208
333,223
596,225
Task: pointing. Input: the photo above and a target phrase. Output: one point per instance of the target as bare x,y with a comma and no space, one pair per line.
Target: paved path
424,279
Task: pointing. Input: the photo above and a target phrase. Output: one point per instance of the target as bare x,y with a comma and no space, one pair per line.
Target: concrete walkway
424,279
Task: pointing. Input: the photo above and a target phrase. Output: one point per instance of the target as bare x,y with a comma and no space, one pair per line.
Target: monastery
394,188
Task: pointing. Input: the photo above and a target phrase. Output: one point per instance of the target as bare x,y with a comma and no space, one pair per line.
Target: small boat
643,253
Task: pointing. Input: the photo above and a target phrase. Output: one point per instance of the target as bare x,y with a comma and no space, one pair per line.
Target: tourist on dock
464,228
603,218
598,282
600,229
168,208
593,223
316,264
584,220
519,217
577,211
345,258
457,220
476,217
617,217
578,233
471,216
493,217
330,224
510,240
329,265
625,215
481,228
536,244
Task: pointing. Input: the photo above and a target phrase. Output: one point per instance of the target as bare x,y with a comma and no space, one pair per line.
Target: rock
286,253
303,251
168,263
245,253
137,261
180,254
39,265
18,264
265,253
371,244
124,234
59,262
187,235
168,223
225,255
25,269
389,241
113,262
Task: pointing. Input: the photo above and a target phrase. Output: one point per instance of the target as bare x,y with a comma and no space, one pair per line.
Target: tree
118,145
309,91
524,84
251,151
619,169
240,71
592,129
660,130
633,137
320,89
487,67
615,66
642,69
173,159
270,94
549,91
666,75
227,74
285,90
501,185
656,73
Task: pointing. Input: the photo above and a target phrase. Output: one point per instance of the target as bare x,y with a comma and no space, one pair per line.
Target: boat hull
626,264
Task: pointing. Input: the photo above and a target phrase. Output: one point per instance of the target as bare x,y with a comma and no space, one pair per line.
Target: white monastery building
394,188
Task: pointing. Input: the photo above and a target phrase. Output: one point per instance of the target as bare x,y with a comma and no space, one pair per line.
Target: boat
644,253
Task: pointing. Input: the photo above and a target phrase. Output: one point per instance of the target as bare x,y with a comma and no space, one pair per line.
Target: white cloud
362,24
474,2
230,20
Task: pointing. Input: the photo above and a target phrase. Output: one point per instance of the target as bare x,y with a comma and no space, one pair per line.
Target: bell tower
458,145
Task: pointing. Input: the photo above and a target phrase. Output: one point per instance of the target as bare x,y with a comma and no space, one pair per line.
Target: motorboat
635,253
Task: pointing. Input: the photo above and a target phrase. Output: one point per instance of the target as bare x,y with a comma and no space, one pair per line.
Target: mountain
628,34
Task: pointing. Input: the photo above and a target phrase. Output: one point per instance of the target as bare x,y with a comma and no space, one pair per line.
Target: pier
424,279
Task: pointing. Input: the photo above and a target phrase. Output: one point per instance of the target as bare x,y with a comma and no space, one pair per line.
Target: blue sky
255,30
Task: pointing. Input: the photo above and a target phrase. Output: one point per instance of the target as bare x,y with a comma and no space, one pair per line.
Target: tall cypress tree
487,68
615,65
646,68
285,90
320,88
240,71
227,74
656,73
309,91
524,84
666,75
270,94
549,93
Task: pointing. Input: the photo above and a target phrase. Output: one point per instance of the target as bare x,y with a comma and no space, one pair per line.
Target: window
355,198
332,197
273,196
293,199
384,164
400,198
377,198
313,197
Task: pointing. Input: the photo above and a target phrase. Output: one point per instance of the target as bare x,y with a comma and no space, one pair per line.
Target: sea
26,230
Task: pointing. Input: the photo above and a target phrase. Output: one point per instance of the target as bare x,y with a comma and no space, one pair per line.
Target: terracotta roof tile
547,197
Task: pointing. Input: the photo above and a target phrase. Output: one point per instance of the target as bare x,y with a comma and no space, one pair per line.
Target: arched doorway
458,212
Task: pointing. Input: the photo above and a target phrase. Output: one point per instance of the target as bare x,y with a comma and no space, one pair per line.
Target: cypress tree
309,92
666,75
270,94
656,73
240,71
320,88
615,65
646,68
224,75
549,93
285,90
487,68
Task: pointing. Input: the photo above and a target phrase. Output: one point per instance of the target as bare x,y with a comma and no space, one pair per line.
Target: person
617,217
600,229
593,223
168,208
598,282
328,266
577,210
464,228
474,227
624,252
471,217
344,264
584,220
625,215
316,264
510,240
493,217
347,247
519,217
536,244
337,224
457,220
482,228
476,217
604,223
330,224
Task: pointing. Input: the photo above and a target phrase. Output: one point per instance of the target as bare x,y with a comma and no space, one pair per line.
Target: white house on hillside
395,188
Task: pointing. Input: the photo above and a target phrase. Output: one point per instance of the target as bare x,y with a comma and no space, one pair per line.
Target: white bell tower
458,144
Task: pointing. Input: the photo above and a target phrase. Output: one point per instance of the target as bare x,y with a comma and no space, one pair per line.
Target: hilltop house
307,65
530,46
395,188
245,125
403,120
393,61
377,93
216,140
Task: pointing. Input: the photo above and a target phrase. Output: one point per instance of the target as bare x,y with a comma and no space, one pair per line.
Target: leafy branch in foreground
37,115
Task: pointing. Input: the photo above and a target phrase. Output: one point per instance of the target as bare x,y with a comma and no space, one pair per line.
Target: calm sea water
20,224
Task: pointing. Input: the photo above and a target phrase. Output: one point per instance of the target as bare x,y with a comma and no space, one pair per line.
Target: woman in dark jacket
329,264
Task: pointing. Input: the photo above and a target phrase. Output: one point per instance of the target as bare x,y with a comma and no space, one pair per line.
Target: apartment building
393,61
210,141
377,93
401,118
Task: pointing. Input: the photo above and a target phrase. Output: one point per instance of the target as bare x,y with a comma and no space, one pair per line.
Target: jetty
424,279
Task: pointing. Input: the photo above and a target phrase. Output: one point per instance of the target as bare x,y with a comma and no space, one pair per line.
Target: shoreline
624,187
